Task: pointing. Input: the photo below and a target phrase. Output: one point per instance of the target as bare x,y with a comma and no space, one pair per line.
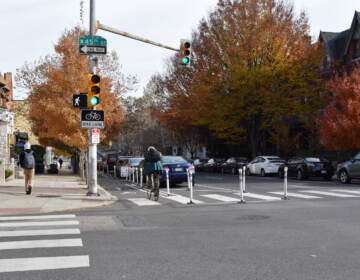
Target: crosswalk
234,196
17,234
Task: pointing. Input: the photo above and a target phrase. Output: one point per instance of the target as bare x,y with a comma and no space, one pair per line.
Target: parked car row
301,168
176,165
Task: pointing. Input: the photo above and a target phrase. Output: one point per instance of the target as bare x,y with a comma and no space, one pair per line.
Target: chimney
9,85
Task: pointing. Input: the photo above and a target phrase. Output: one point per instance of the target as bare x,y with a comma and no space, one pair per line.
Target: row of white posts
135,176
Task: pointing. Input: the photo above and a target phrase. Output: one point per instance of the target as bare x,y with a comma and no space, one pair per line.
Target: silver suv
349,170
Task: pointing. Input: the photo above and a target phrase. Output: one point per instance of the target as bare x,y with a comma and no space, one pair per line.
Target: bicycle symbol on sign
93,116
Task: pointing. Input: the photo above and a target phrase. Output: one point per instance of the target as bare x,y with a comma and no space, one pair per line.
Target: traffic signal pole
92,153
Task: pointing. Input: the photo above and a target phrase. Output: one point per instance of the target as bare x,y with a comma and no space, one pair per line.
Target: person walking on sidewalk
27,162
60,162
153,168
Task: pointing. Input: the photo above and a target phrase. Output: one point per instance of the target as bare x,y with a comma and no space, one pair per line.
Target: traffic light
93,90
185,52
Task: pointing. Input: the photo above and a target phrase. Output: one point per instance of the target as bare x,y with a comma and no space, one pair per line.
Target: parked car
127,162
232,165
199,164
305,167
213,165
109,161
264,165
177,166
349,170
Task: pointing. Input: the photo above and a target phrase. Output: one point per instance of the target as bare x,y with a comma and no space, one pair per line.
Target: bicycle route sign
92,119
92,45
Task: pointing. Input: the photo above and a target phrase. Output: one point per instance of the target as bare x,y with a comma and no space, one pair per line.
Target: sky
31,28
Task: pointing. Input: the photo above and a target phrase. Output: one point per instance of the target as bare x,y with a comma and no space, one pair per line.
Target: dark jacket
149,165
27,159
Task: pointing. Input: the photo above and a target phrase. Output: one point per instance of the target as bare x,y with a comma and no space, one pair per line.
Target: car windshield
113,157
357,156
312,159
230,160
219,160
241,159
173,160
135,160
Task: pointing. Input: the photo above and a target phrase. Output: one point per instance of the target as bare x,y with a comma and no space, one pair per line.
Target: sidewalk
58,192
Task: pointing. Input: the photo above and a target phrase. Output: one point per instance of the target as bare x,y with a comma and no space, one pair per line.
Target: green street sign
92,40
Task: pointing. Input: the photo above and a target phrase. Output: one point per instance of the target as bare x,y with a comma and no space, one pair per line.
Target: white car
264,165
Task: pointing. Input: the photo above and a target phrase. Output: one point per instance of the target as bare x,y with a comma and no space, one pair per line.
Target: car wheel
262,173
344,177
300,175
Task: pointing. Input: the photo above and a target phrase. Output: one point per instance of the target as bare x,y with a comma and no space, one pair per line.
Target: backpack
27,160
154,156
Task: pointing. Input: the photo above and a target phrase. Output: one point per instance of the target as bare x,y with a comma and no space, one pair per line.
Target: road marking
260,196
331,194
27,244
297,195
143,201
221,197
347,191
42,217
182,199
28,264
60,231
37,224
215,188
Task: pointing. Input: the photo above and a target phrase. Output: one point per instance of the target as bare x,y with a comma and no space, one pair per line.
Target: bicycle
153,188
93,116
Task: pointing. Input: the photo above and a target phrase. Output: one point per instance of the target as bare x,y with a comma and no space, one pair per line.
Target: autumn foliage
340,123
254,71
52,81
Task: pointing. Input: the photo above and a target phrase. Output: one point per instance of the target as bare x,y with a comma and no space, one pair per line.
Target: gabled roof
355,22
335,43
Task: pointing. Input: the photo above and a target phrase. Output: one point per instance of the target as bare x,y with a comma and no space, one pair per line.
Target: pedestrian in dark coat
27,162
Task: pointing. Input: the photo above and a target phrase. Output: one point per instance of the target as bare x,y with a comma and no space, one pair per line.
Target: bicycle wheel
156,194
149,193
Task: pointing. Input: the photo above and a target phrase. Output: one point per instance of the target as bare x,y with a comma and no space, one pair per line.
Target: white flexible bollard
285,183
136,176
133,175
190,186
244,182
152,181
241,186
167,181
141,178
114,171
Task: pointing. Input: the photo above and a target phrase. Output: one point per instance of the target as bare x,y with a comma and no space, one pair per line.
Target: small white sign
95,136
92,124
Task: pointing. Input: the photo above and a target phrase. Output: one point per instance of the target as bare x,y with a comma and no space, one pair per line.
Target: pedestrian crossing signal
185,52
93,90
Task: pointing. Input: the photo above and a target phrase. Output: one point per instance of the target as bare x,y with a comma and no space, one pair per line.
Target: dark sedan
177,169
213,165
233,164
303,168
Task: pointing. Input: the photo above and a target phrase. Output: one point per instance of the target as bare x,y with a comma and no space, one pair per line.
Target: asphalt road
265,238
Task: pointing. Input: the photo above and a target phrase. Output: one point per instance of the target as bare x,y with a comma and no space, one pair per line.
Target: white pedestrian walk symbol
77,101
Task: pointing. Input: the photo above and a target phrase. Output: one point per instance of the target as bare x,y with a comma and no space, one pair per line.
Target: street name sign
80,100
92,119
92,45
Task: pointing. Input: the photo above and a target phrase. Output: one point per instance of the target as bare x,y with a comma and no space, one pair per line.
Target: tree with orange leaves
52,81
340,124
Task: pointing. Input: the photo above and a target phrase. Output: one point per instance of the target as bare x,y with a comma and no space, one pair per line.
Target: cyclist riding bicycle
153,169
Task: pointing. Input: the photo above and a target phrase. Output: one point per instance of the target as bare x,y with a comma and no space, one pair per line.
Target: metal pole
131,36
244,182
285,183
92,183
167,181
114,171
141,178
241,186
190,186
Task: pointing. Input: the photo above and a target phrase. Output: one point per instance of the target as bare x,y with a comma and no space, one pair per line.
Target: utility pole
92,153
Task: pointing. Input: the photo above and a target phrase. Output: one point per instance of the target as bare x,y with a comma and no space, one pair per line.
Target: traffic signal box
185,52
93,94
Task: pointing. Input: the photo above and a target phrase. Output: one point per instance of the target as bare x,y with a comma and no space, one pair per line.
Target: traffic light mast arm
128,35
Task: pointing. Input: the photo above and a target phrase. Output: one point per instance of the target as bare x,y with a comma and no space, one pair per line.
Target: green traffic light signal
185,60
94,100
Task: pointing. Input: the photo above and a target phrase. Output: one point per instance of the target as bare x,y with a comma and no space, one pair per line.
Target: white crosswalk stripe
297,195
220,197
260,196
38,262
347,191
143,201
327,193
182,199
